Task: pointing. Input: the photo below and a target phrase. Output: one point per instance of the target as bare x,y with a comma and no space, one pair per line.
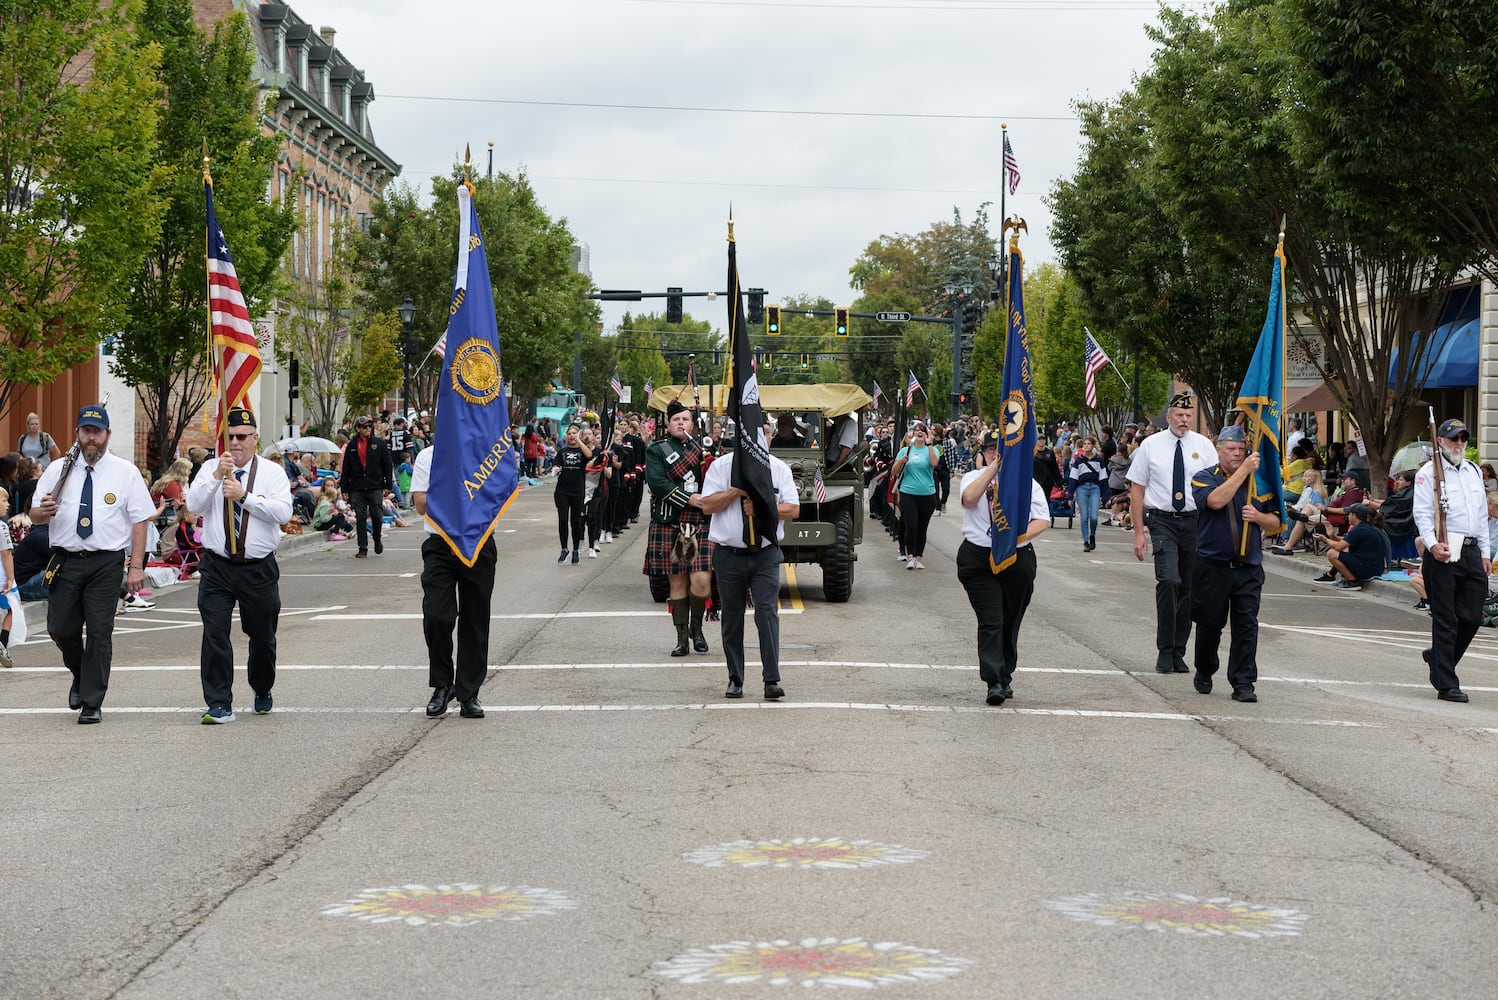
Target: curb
1387,592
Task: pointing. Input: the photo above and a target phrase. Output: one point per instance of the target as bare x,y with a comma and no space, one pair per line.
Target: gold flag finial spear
207,177
468,167
1282,230
730,222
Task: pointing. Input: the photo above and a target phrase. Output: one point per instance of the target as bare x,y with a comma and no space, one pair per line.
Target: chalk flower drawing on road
461,904
804,852
813,962
1220,916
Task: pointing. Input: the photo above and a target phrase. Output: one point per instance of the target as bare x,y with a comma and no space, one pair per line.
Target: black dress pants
1456,590
456,595
1219,594
740,574
999,600
255,587
84,593
1173,541
371,504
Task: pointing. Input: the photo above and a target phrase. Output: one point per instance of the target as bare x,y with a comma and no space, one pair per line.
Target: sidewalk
1305,568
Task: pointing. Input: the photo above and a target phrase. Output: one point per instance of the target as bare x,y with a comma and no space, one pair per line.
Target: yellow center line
795,591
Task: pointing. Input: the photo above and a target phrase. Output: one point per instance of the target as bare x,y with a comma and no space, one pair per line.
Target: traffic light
768,362
772,321
805,362
756,305
840,321
295,372
673,305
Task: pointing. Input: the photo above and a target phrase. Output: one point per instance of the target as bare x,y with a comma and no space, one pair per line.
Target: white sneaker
592,553
911,564
135,602
902,557
5,660
920,564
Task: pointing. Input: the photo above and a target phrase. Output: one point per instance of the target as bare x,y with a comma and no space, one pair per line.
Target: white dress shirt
1153,466
421,477
120,502
266,508
727,526
978,519
1466,504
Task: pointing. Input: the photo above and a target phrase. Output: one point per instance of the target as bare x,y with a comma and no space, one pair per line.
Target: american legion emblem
475,372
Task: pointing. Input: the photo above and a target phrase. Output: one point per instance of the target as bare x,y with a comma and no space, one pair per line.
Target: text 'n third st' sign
893,317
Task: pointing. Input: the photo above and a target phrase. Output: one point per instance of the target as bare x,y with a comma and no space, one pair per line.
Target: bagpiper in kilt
678,547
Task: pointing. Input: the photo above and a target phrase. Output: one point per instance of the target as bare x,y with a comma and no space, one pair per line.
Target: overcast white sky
649,190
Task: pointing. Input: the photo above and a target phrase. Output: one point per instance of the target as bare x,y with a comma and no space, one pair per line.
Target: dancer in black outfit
571,461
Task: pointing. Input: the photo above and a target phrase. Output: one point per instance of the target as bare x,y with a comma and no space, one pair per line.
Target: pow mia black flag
751,463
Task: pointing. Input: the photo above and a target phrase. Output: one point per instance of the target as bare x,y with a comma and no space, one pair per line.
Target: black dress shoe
681,649
90,715
1164,664
469,708
996,694
1450,694
1178,665
379,547
441,698
699,642
1202,682
774,692
1006,689
1425,654
734,690
75,700
1244,694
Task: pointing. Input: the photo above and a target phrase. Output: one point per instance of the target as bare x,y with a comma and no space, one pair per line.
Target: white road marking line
853,706
537,616
1378,637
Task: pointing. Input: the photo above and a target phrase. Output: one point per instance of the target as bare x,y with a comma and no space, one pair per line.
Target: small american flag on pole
878,395
1094,361
818,486
649,386
910,389
616,385
233,335
440,348
1011,166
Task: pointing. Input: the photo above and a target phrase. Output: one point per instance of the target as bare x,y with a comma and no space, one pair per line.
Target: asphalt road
614,828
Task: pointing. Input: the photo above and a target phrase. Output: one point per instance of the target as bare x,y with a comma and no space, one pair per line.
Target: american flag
1094,361
649,386
237,352
1011,165
910,389
616,385
818,486
440,347
878,395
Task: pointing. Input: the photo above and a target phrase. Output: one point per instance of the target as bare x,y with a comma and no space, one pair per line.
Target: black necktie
238,504
1178,479
86,504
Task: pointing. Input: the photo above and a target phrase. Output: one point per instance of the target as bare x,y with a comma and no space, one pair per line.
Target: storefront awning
1456,346
1317,398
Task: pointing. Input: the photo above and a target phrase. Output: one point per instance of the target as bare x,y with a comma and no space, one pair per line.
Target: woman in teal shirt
915,465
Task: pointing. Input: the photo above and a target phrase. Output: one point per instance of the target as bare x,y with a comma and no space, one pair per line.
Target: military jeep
827,532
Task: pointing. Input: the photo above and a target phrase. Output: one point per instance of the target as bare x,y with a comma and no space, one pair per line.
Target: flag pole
1003,190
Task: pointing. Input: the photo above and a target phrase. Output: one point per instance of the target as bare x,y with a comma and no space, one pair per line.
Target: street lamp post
407,311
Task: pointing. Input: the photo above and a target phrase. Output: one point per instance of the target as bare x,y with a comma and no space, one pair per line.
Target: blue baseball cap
94,415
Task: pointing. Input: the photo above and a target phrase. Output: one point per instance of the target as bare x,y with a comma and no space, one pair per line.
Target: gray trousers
741,573
1173,541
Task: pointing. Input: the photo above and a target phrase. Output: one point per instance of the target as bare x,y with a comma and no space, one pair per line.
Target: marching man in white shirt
1456,568
244,500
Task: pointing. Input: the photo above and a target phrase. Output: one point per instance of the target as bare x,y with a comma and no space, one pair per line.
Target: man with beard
1161,501
1228,584
97,516
673,469
244,501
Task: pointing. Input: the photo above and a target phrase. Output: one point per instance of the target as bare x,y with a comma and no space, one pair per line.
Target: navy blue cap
94,415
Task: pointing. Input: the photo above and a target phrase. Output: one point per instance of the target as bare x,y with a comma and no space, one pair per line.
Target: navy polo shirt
1218,531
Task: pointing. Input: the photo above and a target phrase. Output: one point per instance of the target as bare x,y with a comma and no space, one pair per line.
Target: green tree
314,328
640,358
538,297
600,360
376,369
80,192
209,95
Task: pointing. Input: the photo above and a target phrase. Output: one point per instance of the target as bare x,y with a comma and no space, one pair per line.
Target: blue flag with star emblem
1262,398
1009,496
474,465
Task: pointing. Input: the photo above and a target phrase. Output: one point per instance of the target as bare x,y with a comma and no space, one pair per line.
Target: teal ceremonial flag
474,465
1262,397
1009,496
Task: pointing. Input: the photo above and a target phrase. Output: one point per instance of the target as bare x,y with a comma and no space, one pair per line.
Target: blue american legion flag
474,465
1263,394
1009,496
